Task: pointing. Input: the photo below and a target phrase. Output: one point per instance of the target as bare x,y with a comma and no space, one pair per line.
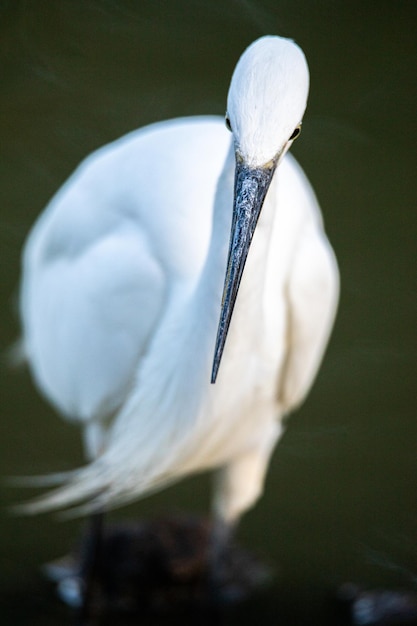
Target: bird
178,294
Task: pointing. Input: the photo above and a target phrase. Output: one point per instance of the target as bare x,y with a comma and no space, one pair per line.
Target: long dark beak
251,186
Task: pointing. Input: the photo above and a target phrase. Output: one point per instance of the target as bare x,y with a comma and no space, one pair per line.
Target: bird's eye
227,122
296,132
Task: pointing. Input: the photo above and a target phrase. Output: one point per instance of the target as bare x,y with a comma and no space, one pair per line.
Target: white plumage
122,290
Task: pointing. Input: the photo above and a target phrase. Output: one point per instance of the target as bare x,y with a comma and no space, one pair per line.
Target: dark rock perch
161,566
377,607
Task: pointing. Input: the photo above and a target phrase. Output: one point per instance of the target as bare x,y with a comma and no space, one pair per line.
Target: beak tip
214,372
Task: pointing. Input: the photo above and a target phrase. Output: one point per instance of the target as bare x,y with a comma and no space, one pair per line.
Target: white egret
123,276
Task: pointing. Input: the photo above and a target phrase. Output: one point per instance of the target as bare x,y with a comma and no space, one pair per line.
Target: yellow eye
227,122
296,132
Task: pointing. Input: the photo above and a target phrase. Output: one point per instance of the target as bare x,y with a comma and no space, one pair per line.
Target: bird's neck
176,397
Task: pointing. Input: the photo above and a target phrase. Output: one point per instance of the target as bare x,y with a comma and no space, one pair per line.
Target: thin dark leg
90,565
219,546
221,536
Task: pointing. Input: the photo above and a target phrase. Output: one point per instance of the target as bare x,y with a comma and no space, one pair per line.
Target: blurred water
340,501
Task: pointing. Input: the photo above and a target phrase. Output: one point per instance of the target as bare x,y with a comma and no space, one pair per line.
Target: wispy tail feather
87,490
77,489
40,481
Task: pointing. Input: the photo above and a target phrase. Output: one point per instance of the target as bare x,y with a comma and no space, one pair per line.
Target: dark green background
340,501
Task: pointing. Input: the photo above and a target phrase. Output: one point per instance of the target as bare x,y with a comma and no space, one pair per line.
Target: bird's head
266,102
267,99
